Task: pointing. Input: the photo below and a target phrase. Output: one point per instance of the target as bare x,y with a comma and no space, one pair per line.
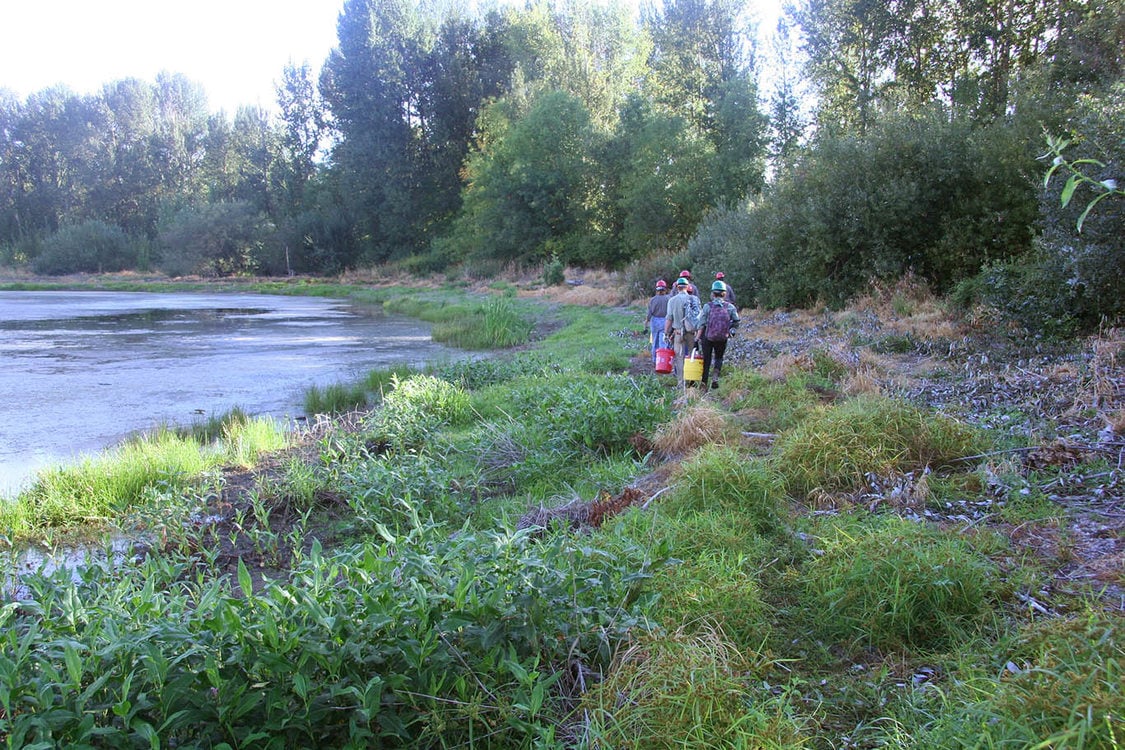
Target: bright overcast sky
235,49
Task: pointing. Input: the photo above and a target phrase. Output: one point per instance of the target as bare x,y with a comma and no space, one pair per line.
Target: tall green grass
494,323
98,488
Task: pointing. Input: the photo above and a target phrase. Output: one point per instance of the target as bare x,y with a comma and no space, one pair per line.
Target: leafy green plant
414,407
420,638
1102,189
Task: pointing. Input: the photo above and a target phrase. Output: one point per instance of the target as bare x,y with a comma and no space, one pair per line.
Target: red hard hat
685,274
662,284
720,275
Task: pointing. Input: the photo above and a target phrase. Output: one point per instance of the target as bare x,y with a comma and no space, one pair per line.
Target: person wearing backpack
716,324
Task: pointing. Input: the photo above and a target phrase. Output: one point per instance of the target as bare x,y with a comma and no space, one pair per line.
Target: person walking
716,324
679,327
720,276
654,319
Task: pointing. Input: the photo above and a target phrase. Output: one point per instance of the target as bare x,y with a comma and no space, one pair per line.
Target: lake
79,371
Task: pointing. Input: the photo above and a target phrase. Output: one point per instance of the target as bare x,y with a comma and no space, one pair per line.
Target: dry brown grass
1103,387
699,424
907,307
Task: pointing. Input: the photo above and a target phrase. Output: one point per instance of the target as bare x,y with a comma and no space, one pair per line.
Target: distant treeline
892,138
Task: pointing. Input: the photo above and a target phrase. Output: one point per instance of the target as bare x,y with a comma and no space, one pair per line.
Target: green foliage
218,239
891,583
531,191
721,242
935,198
426,639
836,447
1056,683
88,247
415,407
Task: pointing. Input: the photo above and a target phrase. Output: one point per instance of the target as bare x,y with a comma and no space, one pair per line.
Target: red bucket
664,360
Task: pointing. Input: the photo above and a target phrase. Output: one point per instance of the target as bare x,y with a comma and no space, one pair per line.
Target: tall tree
530,194
698,45
369,85
304,128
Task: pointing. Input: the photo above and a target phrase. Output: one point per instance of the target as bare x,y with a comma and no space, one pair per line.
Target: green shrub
837,446
215,239
889,583
88,247
553,271
933,197
641,275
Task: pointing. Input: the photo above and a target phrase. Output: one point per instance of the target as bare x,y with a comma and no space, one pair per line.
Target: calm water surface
81,370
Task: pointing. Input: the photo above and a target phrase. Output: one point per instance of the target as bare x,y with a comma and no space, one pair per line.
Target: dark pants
709,349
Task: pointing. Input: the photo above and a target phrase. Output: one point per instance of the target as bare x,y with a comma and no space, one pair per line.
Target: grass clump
768,404
837,446
682,690
720,479
1057,683
891,583
494,324
692,427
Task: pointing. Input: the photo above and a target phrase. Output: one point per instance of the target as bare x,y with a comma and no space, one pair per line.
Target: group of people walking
681,322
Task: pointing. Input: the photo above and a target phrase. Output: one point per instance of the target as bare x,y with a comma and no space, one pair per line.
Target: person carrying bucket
679,326
716,323
654,319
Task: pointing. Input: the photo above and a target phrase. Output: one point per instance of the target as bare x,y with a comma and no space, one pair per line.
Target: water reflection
81,370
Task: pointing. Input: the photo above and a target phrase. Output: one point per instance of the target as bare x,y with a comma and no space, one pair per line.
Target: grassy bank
554,548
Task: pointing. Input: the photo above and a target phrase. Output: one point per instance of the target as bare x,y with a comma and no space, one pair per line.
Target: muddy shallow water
81,370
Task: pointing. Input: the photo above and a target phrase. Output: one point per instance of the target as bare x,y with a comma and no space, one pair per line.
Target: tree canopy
584,132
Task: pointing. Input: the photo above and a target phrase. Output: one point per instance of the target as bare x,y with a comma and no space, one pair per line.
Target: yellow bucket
693,367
